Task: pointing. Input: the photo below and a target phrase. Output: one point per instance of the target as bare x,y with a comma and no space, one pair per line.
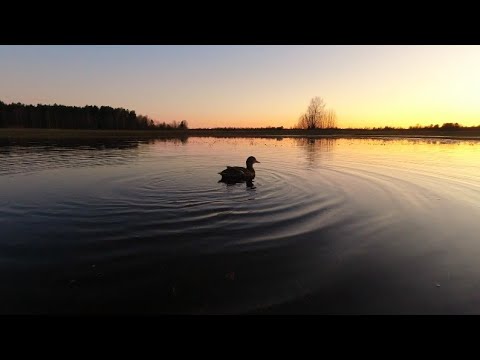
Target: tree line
73,117
445,127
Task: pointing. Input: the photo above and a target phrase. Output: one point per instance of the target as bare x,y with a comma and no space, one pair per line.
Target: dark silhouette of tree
313,117
17,115
317,117
330,119
450,126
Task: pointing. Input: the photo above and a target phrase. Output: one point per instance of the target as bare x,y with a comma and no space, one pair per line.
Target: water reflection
248,183
176,140
315,148
29,155
115,142
142,226
93,143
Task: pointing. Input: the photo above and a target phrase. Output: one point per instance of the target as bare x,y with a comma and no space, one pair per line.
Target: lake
330,226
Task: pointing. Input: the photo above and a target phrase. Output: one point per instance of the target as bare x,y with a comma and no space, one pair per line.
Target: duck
238,173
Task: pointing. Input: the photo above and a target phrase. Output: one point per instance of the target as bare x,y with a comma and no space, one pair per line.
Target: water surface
331,226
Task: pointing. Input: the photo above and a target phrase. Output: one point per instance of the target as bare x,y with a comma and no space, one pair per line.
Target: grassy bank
339,133
98,134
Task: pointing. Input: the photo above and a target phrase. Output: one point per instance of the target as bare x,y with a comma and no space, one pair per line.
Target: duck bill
257,162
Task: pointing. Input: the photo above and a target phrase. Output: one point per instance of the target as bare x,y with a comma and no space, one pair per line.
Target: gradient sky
253,85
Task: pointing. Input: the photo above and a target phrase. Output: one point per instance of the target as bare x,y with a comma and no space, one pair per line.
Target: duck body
238,173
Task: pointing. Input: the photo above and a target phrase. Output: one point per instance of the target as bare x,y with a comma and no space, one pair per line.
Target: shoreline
31,133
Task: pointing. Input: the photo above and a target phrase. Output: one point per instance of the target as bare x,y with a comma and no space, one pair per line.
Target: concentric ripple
138,219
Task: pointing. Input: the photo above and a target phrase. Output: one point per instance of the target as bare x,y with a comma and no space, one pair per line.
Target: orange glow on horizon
253,86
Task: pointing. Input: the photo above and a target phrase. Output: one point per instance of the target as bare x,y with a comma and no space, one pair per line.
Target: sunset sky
258,86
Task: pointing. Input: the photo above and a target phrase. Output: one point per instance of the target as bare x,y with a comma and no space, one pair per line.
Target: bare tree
302,122
315,115
330,119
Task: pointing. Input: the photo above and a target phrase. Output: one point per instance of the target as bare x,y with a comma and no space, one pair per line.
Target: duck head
250,161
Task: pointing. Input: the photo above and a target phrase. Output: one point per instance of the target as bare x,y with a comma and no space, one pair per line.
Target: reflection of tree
41,154
175,140
315,147
73,143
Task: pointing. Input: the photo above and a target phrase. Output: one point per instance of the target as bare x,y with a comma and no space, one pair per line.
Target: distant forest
17,115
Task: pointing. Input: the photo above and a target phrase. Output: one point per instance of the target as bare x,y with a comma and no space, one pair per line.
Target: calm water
331,226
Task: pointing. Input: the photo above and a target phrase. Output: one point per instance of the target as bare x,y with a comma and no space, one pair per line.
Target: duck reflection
249,183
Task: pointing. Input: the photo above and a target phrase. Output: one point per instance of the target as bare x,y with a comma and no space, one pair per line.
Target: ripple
316,207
